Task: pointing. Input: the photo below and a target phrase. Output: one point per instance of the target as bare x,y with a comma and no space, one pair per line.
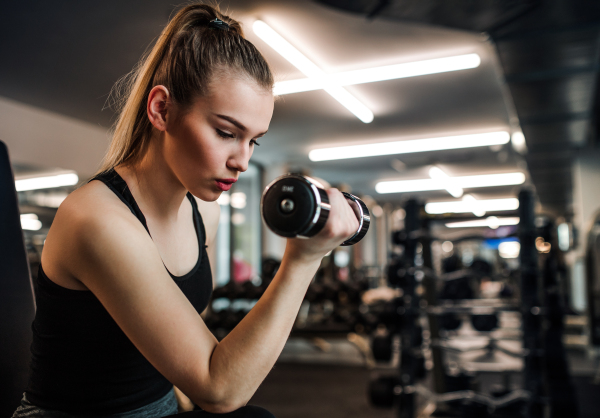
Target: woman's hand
341,225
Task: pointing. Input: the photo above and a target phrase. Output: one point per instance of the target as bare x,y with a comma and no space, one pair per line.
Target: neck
156,189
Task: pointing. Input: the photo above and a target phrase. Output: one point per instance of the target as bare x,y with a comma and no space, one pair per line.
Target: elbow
220,407
221,401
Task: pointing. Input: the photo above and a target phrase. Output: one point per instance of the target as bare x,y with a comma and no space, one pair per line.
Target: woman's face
210,144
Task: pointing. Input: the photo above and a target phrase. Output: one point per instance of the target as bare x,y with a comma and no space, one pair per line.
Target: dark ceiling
51,52
549,52
64,56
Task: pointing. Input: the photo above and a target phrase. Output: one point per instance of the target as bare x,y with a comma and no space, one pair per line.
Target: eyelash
226,135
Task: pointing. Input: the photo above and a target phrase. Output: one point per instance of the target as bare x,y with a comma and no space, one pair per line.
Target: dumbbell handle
363,217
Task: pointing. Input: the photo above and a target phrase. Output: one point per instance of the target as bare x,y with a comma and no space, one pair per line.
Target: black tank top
82,362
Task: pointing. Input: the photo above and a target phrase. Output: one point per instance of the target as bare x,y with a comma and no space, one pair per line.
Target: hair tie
218,24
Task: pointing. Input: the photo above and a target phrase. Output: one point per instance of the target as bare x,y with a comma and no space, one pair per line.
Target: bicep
124,270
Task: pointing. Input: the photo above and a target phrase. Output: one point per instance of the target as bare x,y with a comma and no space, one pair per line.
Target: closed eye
224,134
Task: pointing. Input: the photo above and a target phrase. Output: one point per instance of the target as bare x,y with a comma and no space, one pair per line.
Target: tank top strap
197,219
115,182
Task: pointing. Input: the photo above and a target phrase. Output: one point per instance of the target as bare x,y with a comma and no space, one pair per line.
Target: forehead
240,98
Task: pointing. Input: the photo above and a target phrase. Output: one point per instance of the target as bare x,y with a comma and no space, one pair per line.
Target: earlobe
158,107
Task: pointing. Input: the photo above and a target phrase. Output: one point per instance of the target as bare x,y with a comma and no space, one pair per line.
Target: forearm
242,360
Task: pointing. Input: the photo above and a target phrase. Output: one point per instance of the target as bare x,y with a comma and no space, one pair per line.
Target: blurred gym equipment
432,324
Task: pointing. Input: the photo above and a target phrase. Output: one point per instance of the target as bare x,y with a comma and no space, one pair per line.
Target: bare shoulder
89,201
210,212
97,240
90,216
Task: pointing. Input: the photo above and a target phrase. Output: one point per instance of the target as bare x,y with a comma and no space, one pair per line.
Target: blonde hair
184,60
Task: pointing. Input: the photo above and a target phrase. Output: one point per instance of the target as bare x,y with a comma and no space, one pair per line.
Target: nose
239,158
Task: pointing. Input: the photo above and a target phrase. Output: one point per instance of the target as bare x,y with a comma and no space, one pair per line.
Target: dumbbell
231,291
381,346
293,206
485,322
449,321
457,289
397,272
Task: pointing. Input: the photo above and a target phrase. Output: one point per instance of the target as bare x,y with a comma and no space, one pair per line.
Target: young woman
124,271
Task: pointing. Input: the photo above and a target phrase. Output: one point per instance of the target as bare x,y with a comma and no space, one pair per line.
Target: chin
207,196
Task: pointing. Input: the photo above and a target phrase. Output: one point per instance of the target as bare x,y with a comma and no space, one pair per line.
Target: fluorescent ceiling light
310,69
30,222
370,75
410,146
464,182
466,206
46,182
436,173
474,205
518,142
490,222
50,200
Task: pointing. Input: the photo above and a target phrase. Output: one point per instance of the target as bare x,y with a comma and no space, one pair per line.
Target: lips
225,184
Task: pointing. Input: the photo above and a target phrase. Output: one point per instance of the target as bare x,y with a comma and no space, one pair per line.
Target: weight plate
283,218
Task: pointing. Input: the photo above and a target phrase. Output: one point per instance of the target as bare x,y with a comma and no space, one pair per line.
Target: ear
159,104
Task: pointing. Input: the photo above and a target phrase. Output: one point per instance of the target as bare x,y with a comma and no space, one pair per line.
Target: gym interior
469,130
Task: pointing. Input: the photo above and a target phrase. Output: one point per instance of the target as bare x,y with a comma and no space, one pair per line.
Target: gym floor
305,383
296,390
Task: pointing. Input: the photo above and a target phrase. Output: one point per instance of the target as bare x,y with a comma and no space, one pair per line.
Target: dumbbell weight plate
485,323
449,321
381,346
294,206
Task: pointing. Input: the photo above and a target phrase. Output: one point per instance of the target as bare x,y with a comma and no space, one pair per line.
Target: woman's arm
114,257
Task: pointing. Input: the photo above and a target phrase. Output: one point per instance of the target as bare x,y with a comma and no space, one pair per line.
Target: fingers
341,225
342,222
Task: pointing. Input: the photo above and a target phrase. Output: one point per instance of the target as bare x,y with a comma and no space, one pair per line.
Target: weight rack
545,371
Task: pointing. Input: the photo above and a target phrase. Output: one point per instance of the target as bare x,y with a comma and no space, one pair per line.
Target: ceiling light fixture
409,146
518,142
467,206
464,182
491,222
30,222
474,205
388,72
310,69
46,182
436,173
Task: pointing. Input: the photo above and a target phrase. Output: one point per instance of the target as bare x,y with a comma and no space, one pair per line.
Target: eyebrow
237,123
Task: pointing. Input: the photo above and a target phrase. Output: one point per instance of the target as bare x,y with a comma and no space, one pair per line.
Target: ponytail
184,59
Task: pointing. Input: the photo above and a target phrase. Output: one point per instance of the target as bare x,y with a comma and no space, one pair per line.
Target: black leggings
249,411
